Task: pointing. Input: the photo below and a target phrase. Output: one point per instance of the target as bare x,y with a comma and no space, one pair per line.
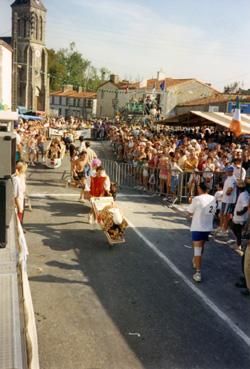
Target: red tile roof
123,85
217,98
75,94
170,82
128,85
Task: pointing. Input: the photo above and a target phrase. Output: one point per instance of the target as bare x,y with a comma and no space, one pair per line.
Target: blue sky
205,39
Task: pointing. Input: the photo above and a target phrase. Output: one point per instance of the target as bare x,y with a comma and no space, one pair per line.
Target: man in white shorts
202,209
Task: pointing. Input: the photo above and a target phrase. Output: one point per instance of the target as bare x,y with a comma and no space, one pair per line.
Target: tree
68,66
232,88
56,69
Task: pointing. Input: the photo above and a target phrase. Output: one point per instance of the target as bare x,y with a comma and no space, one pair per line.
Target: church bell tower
30,58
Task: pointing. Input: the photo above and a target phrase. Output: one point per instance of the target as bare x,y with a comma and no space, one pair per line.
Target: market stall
199,119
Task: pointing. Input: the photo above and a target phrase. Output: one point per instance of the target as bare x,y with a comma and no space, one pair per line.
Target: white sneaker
197,277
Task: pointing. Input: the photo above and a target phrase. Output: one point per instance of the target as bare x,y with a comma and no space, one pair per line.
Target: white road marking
188,247
196,290
134,334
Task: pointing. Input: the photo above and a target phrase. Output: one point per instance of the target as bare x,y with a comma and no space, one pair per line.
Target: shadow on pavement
54,279
140,294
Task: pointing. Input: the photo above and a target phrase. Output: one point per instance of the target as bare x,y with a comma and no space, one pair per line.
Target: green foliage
68,66
232,88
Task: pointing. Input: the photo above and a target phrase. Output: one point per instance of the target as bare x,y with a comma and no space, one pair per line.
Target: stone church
30,58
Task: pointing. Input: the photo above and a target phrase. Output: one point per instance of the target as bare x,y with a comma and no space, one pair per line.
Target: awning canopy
199,118
30,117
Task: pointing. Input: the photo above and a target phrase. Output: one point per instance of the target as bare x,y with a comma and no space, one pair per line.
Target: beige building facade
113,95
69,102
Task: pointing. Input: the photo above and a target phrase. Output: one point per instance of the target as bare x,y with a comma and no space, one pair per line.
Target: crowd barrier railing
29,314
178,185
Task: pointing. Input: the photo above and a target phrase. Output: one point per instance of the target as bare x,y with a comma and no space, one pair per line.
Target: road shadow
162,321
142,295
49,278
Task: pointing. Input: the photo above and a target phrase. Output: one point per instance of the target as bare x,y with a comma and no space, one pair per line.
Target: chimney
79,89
114,78
67,88
158,75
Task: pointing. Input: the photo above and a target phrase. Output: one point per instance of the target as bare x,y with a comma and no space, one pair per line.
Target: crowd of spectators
161,157
163,161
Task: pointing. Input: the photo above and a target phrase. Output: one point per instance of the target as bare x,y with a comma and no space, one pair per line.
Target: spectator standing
41,139
246,292
82,146
21,169
240,213
32,149
239,172
16,193
228,199
91,154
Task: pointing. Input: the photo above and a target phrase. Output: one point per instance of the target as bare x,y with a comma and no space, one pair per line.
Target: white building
5,76
69,102
112,96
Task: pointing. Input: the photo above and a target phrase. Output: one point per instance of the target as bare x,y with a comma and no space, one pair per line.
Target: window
19,27
37,28
41,28
24,28
89,104
102,94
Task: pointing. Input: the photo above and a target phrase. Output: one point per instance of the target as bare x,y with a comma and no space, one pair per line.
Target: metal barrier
178,185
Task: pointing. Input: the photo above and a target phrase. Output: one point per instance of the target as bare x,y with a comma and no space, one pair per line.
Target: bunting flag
235,125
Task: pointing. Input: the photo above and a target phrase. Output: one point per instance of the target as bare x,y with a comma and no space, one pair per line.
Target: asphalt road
134,306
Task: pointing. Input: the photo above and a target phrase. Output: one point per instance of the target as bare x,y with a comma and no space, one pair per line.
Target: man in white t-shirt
202,208
239,172
240,212
228,199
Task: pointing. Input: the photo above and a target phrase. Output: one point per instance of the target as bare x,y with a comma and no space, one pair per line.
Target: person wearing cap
228,199
202,209
240,212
